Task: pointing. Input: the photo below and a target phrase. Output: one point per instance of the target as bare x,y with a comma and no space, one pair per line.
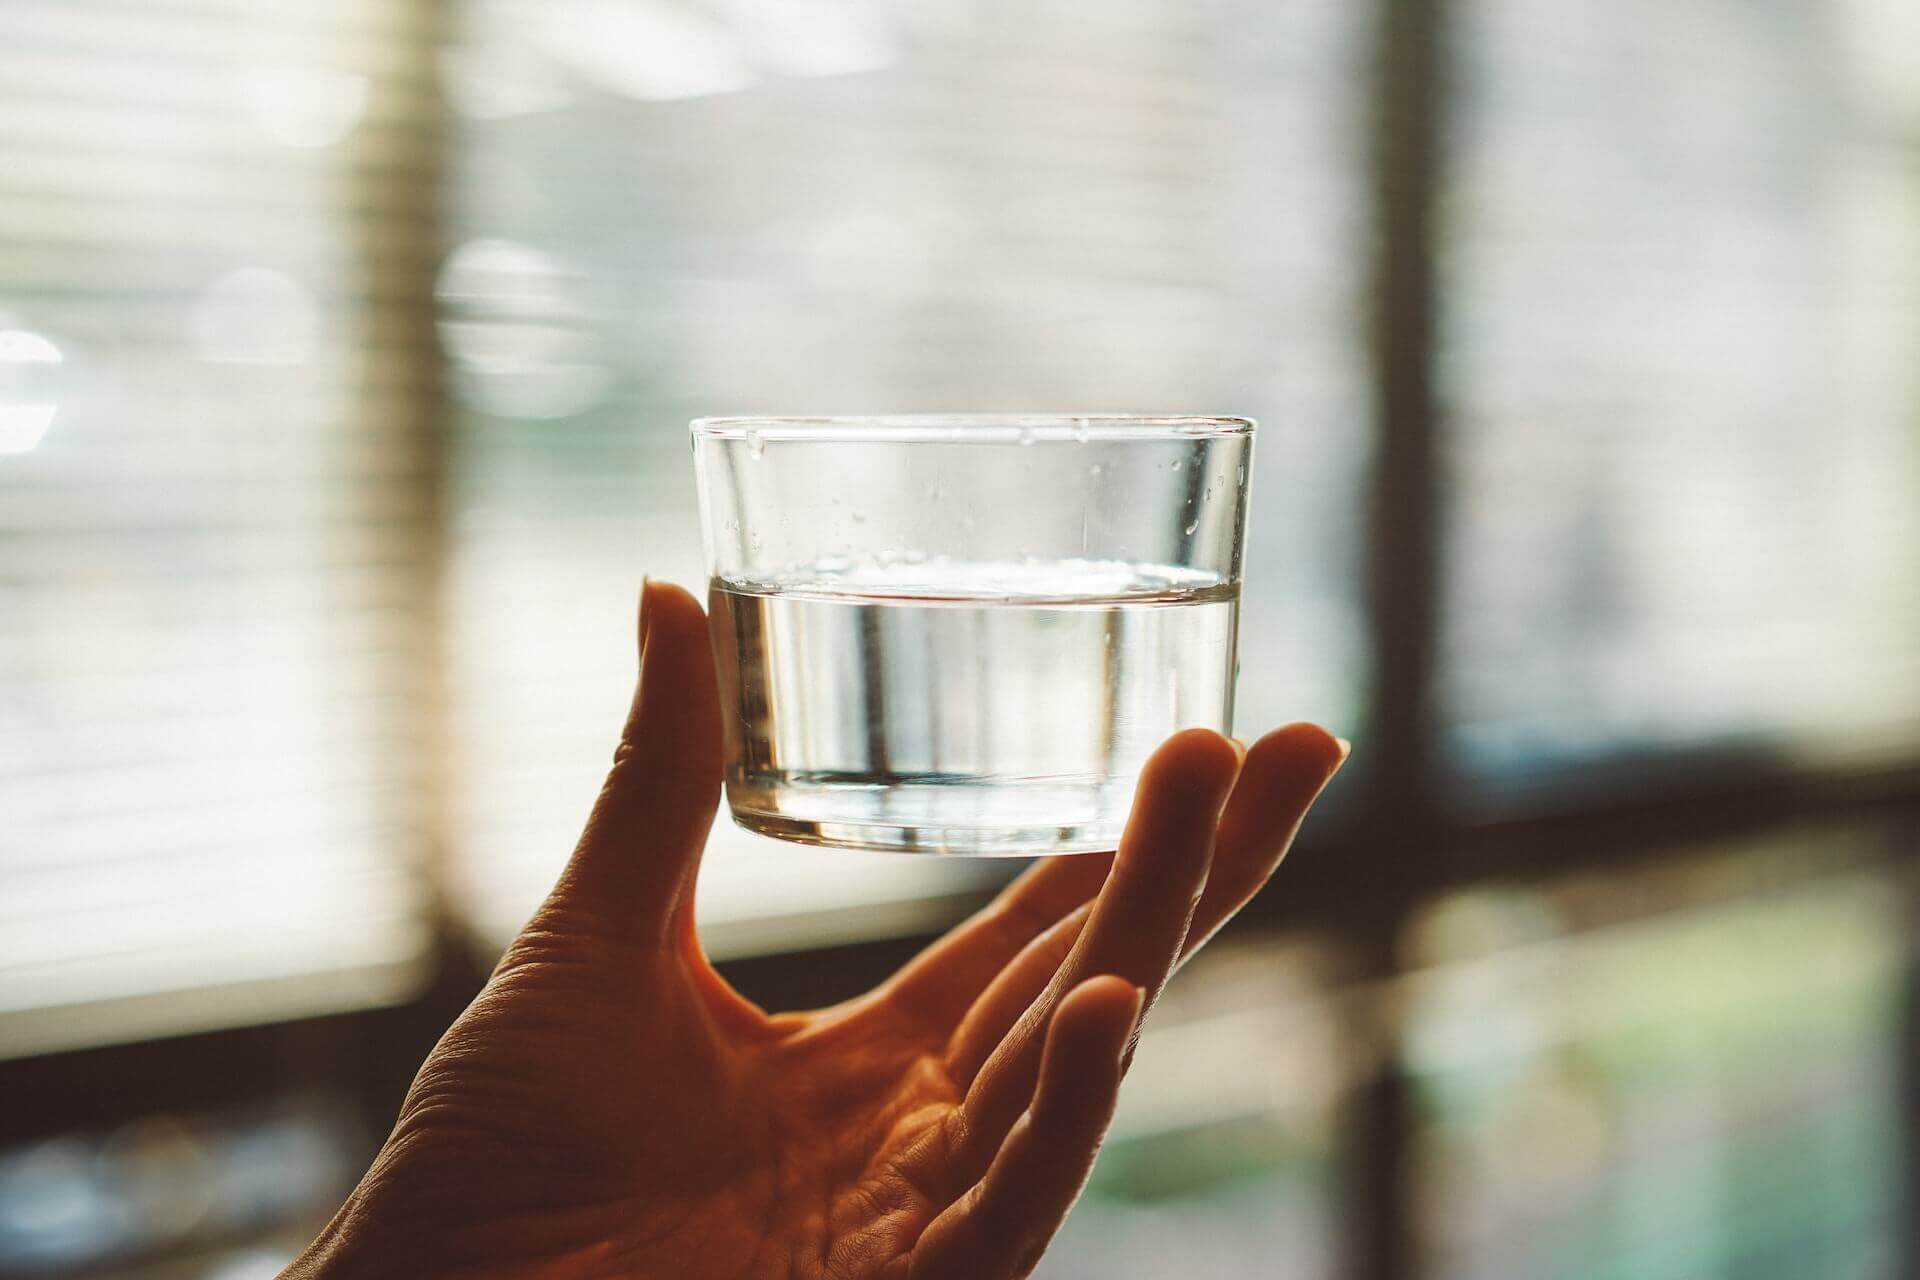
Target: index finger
1137,925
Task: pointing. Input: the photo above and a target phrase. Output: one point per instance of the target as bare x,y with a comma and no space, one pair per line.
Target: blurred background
346,352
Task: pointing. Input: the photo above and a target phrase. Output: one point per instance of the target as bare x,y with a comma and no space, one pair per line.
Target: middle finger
1137,925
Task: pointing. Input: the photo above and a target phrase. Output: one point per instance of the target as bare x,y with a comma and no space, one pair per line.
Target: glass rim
961,428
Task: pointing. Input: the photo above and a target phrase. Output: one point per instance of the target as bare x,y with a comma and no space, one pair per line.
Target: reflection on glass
1707,1092
1144,207
1682,295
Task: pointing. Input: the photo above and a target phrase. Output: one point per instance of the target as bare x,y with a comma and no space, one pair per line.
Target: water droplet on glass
1190,528
1174,465
859,517
756,445
1240,474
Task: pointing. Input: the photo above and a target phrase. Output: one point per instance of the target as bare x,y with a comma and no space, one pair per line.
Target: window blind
215,244
1682,297
222,248
665,210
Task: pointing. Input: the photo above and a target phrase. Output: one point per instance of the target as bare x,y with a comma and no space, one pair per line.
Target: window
210,505
1682,293
346,355
661,212
228,699
1709,1090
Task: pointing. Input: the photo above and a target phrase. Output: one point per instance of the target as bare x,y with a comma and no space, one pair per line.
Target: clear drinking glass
964,634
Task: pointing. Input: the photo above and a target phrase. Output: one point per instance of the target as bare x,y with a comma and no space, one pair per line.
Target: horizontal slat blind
1683,298
209,554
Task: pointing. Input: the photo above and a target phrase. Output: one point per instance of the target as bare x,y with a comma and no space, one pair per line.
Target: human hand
608,1106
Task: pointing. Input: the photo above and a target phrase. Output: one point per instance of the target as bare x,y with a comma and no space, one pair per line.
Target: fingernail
1346,749
1139,1002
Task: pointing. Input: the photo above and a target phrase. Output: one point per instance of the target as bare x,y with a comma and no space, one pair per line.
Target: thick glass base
971,818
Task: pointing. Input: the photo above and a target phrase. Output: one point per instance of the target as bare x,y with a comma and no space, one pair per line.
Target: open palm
608,1106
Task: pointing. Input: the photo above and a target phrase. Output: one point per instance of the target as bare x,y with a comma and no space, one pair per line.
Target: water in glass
983,708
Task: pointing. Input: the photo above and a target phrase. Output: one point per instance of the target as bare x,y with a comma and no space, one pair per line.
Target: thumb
636,861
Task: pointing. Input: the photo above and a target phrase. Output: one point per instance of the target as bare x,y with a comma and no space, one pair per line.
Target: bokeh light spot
521,341
29,366
644,49
303,106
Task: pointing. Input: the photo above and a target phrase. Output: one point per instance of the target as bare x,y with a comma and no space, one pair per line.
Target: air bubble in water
1026,435
756,445
1174,465
1240,474
1095,469
1190,528
859,517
